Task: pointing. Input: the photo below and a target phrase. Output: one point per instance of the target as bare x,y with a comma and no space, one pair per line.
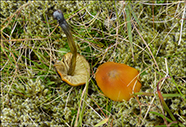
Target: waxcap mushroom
117,81
73,68
81,73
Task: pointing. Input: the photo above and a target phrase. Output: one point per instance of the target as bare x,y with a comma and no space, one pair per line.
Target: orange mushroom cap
117,81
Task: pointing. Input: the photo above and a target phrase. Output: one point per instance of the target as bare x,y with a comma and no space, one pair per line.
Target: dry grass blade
102,122
183,18
147,47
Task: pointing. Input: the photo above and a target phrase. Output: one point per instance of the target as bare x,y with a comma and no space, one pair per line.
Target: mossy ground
149,36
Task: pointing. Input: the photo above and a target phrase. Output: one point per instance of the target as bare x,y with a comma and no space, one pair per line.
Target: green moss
33,95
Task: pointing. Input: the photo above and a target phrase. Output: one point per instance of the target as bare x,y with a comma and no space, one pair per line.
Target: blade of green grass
164,95
129,28
134,15
161,115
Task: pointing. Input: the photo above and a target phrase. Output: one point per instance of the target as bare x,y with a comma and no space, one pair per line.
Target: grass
125,32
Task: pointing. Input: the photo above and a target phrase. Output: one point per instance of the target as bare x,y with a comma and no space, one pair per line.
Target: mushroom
73,68
117,81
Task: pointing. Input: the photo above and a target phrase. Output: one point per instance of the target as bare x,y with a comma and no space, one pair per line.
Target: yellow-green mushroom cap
81,73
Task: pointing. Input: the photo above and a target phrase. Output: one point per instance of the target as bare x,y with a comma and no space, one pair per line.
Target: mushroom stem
63,24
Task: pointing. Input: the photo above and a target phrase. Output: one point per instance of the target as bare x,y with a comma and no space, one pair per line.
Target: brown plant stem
163,102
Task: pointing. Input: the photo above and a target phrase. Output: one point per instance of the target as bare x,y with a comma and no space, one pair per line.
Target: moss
32,94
